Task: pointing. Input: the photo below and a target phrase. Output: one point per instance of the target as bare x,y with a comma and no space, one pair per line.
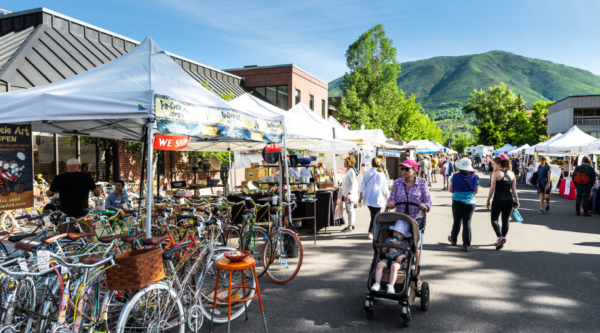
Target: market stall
504,149
130,98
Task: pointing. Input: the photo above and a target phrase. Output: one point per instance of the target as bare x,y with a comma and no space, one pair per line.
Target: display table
325,210
571,192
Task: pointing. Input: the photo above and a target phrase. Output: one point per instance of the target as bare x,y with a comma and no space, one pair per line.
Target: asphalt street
544,280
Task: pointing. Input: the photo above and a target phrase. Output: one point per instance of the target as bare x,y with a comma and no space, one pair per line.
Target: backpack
581,175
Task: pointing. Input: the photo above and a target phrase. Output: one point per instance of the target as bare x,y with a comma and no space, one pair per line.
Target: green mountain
443,84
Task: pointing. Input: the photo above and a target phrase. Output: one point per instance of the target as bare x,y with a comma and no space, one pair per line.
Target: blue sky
314,35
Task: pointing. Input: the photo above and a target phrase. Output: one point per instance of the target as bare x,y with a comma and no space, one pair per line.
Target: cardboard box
254,165
255,173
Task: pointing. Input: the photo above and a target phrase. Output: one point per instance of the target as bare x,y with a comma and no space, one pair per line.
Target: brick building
285,86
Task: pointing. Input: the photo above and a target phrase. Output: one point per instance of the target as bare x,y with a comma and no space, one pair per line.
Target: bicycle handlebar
10,262
79,265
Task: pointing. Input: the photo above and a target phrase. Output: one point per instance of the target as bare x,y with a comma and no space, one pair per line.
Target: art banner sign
170,142
16,166
178,117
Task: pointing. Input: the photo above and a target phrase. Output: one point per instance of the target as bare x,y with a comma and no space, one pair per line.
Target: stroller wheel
424,296
370,314
369,309
405,316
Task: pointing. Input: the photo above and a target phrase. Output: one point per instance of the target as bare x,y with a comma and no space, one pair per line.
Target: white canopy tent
518,150
504,149
562,145
300,131
593,147
424,146
112,101
532,150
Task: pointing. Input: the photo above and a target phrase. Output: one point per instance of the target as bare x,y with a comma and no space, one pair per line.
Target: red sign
273,147
170,142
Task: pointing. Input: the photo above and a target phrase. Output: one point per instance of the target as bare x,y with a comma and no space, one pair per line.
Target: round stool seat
228,265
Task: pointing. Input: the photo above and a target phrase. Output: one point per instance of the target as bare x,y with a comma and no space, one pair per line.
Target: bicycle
287,250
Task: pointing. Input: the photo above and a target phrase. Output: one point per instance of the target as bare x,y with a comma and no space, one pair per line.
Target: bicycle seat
53,238
226,208
172,217
26,247
155,240
75,236
130,239
90,259
188,226
154,215
274,209
186,209
246,211
168,254
14,239
108,239
183,216
4,233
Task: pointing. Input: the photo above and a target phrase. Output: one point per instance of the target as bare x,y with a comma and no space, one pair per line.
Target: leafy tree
370,93
462,142
494,110
538,119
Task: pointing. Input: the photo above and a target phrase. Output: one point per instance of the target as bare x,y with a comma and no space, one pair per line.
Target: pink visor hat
410,164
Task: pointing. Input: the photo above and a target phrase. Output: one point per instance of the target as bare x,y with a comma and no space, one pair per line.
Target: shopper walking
503,183
409,188
434,169
448,171
374,190
543,184
584,177
463,185
350,191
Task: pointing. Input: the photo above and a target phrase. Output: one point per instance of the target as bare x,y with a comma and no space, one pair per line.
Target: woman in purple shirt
409,188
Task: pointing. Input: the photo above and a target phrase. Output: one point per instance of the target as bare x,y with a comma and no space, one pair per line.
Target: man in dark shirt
584,191
515,165
74,188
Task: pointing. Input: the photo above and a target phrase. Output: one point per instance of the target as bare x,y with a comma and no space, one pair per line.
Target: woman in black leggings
503,183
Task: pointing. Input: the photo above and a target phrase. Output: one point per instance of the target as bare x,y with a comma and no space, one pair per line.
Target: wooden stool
228,265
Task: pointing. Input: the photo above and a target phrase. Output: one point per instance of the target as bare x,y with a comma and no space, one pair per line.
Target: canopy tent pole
287,179
142,173
229,171
334,165
150,186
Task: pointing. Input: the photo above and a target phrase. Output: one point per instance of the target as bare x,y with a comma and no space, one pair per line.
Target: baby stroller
406,285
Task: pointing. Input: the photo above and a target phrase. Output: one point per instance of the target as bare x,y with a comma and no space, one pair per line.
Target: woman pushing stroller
393,257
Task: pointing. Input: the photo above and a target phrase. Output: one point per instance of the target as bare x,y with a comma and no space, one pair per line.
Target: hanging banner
200,120
170,142
389,153
16,166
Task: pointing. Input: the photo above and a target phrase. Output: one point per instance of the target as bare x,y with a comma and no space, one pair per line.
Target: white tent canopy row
532,150
504,149
425,146
562,145
518,150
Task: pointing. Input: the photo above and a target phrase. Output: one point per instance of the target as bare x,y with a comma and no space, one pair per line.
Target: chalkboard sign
178,184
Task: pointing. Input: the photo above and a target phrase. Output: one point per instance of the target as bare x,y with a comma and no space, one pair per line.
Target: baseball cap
73,161
410,163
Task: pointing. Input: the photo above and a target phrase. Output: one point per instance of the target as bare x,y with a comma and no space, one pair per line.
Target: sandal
541,211
547,206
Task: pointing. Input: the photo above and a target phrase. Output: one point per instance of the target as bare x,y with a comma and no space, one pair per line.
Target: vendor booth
504,149
130,98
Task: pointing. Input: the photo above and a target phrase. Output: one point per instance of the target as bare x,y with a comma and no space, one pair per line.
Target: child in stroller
406,285
394,257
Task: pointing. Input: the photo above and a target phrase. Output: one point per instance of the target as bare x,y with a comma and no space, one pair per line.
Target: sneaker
451,241
500,243
370,236
391,290
541,211
376,287
466,248
347,229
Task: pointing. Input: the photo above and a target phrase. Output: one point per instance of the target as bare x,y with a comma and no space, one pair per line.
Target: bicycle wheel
258,242
287,256
153,309
233,238
207,283
7,221
113,304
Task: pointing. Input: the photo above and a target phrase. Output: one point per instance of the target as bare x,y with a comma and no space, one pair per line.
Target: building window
311,102
277,95
595,134
323,110
297,96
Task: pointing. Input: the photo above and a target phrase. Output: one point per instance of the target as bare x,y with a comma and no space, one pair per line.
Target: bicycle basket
137,269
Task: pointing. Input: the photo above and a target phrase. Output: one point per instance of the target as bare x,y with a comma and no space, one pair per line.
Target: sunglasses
404,169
